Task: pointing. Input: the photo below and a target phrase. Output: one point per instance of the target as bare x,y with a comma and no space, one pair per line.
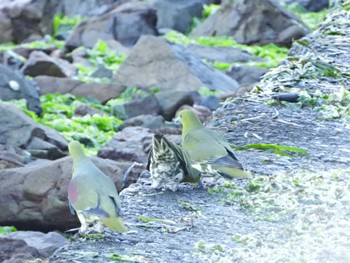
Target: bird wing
202,145
211,147
94,194
81,195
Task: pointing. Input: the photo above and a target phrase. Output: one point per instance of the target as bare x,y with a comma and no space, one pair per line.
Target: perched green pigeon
210,153
92,194
169,164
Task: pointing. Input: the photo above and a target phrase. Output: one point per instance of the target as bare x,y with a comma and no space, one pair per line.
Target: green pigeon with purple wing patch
92,194
209,152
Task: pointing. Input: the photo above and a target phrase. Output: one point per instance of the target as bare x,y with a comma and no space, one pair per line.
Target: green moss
58,113
60,20
4,230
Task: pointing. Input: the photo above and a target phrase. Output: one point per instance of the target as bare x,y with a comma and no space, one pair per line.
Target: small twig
254,118
287,122
276,114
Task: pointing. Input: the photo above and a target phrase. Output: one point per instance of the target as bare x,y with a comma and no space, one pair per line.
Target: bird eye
180,115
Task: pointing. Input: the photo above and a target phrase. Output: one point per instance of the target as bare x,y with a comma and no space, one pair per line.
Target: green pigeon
210,153
92,194
169,164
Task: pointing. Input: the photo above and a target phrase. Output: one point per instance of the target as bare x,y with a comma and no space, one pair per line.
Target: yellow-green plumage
208,150
92,194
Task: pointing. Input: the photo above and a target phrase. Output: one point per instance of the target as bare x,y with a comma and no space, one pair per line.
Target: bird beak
177,121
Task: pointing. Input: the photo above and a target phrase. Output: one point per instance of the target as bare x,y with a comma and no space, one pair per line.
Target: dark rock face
314,5
311,5
178,14
170,67
126,24
19,130
13,85
23,20
253,22
34,197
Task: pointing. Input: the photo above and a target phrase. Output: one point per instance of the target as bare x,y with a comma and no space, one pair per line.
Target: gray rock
126,24
171,101
102,72
46,244
246,75
211,102
147,105
131,144
39,64
16,251
14,86
11,157
11,59
177,15
222,54
169,66
19,130
253,22
147,121
83,109
314,5
100,91
86,7
22,20
34,197
311,5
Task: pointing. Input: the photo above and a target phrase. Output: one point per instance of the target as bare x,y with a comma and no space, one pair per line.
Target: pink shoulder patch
73,193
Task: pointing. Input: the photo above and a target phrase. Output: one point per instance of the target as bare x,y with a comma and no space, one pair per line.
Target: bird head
76,150
189,120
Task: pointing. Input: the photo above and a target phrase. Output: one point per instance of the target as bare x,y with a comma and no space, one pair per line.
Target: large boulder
126,24
100,91
253,22
169,66
34,197
14,86
19,130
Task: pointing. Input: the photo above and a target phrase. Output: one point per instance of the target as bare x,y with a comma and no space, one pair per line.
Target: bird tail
114,223
232,172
